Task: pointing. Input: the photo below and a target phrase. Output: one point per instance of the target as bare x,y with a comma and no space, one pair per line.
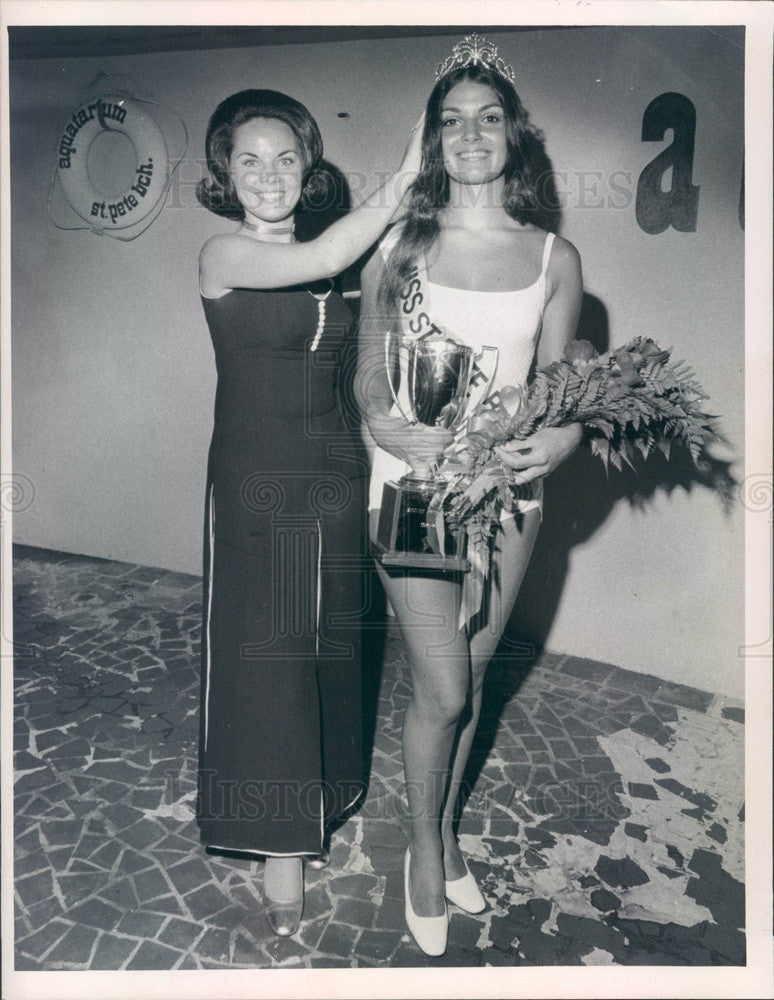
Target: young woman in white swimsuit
467,260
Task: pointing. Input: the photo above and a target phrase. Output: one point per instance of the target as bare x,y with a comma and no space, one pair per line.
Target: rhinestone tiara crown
474,49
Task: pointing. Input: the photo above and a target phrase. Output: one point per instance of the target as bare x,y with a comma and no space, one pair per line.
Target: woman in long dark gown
284,530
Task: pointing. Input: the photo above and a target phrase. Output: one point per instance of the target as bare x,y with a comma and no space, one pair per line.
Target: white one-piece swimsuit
509,321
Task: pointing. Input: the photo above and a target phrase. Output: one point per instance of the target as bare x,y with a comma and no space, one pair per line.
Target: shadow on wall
580,495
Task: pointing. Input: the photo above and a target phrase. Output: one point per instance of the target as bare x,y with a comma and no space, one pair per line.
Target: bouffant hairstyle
216,191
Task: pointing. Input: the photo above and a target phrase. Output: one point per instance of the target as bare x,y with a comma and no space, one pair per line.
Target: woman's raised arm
236,261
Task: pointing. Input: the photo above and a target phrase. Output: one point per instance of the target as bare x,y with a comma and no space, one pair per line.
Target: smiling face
267,169
473,136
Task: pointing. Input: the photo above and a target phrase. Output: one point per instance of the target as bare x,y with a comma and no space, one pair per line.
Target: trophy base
406,537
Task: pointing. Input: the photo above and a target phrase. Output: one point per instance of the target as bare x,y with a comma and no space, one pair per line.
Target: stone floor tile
357,912
667,713
43,940
189,875
636,830
604,900
150,884
652,726
214,944
232,917
686,697
132,861
658,765
285,949
328,962
377,945
121,894
317,902
464,930
205,902
151,955
627,681
77,887
390,915
179,933
408,956
75,948
718,833
32,888
639,790
119,815
47,909
61,832
587,669
95,913
23,963
620,872
356,884
454,957
338,940
167,904
561,826
311,931
113,952
140,923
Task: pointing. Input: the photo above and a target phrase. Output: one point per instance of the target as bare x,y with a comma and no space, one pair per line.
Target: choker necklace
269,230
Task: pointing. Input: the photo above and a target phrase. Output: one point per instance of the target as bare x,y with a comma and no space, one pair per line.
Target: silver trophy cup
444,383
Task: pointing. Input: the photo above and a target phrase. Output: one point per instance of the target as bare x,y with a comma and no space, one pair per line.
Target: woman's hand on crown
412,158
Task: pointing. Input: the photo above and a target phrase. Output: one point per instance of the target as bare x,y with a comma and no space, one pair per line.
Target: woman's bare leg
510,560
427,610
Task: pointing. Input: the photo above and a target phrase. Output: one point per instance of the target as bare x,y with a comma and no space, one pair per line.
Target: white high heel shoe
465,893
430,933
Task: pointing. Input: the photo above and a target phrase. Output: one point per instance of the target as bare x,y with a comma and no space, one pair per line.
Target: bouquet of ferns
628,400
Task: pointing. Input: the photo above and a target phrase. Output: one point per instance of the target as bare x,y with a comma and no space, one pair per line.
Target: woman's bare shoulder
216,246
565,259
216,263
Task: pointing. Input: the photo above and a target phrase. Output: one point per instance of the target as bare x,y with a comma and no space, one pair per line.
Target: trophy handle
492,351
388,369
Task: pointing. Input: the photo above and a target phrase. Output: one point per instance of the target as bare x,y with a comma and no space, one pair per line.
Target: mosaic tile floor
605,819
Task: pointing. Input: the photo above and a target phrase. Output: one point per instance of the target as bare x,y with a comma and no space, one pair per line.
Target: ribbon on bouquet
478,555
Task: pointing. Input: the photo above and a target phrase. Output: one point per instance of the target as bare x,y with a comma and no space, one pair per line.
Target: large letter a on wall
657,210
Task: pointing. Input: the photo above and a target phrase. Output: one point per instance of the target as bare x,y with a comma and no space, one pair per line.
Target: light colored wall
113,372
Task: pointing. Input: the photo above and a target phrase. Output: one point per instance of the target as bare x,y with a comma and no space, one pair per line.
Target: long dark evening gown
280,732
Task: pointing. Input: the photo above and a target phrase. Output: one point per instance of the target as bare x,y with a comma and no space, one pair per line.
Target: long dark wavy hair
430,191
216,192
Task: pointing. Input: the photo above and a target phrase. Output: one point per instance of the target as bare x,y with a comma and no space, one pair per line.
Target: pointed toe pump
430,933
465,893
